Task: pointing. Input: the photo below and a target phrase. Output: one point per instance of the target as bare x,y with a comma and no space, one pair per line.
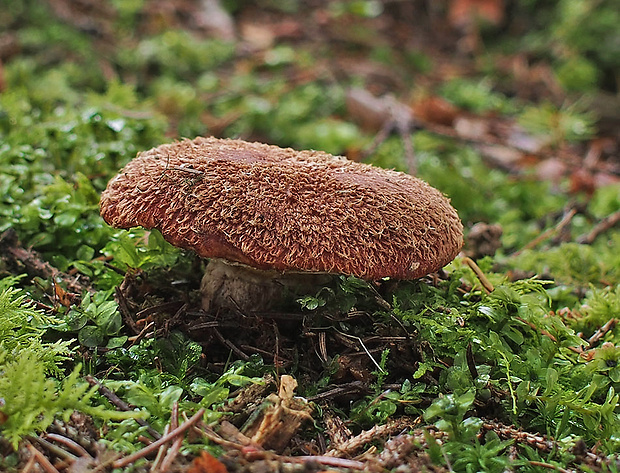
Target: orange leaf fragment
462,12
207,463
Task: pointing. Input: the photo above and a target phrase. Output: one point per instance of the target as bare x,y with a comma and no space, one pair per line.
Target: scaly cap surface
276,208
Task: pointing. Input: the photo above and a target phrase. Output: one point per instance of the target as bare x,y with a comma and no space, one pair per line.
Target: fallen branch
252,452
31,262
550,466
308,459
539,442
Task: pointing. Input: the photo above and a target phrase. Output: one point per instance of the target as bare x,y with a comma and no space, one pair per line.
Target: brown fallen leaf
433,109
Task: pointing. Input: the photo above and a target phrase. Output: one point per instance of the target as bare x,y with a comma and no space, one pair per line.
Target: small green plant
31,400
96,320
477,96
575,264
599,307
22,328
177,54
464,450
140,249
381,372
153,394
560,125
450,411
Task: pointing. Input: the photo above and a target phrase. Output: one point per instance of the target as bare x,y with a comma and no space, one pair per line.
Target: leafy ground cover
508,359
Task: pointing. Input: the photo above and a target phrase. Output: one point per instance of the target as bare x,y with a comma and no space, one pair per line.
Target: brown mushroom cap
274,208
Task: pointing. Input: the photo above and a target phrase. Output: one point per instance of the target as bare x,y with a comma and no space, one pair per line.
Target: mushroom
273,219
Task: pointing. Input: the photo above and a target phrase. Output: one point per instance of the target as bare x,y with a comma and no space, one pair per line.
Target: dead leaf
207,463
434,109
465,12
278,418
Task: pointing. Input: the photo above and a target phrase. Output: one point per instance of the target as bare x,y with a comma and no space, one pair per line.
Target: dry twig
31,262
227,343
564,221
486,284
539,442
600,333
252,452
604,225
41,460
550,466
336,429
377,432
118,402
69,443
176,445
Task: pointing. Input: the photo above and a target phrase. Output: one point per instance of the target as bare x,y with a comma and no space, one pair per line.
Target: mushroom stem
227,285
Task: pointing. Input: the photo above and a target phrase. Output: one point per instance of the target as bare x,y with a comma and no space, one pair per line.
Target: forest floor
507,359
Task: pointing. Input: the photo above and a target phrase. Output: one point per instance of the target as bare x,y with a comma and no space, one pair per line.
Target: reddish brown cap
275,208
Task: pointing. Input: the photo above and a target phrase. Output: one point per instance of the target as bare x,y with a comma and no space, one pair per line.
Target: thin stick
327,461
143,333
214,437
155,445
367,436
230,345
550,466
364,348
55,449
600,333
160,452
122,405
171,455
124,309
568,216
259,454
606,224
29,465
72,444
348,388
486,284
509,432
173,451
41,460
